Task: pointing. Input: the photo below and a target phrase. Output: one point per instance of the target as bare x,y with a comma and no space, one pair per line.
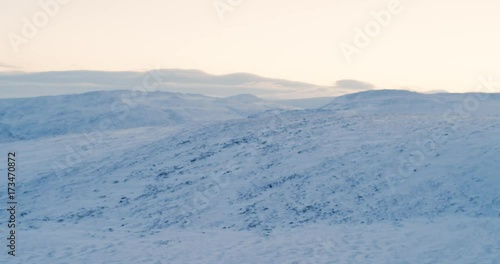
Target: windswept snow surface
302,186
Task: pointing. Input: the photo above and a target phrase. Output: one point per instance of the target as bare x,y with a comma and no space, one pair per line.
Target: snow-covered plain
361,180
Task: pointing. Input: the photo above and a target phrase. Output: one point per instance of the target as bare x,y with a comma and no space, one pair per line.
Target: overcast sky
426,45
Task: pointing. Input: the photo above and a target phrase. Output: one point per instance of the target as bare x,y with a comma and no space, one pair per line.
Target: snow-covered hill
29,118
405,102
300,186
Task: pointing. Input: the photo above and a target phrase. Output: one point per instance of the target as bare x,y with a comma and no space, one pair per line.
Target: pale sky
427,45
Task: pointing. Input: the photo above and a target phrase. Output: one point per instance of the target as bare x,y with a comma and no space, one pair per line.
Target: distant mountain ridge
19,84
29,118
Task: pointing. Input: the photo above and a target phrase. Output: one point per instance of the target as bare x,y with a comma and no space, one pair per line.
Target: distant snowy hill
405,102
375,177
28,118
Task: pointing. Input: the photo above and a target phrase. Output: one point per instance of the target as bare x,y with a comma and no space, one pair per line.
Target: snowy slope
308,186
29,118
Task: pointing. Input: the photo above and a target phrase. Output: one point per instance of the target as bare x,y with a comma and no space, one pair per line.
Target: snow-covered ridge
29,118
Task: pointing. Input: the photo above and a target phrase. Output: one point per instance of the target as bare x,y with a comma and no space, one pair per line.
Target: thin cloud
7,66
354,85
